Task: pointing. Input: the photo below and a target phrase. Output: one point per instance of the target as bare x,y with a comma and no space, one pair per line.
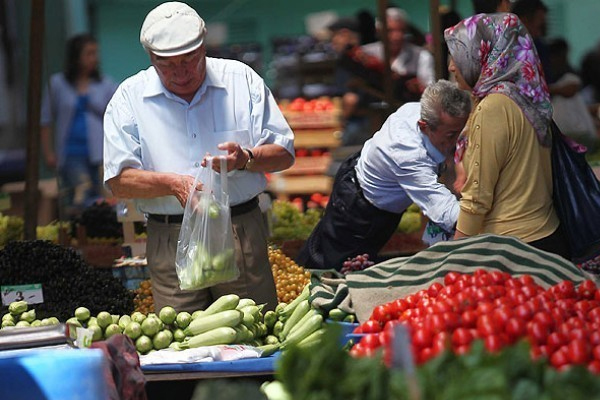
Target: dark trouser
250,236
350,225
556,243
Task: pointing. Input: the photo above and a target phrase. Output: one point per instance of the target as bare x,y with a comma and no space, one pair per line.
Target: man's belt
236,210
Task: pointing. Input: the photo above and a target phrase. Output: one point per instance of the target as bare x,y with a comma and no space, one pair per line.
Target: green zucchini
223,303
220,335
229,318
296,316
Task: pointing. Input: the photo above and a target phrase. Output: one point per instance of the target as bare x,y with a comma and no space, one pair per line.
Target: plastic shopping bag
205,252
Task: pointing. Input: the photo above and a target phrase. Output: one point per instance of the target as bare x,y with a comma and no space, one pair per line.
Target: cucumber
245,302
311,325
296,316
288,310
223,303
337,315
220,335
268,349
229,318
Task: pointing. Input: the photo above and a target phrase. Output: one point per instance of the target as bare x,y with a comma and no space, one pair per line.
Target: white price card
31,293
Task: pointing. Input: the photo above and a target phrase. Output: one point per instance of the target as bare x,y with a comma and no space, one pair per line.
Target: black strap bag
576,200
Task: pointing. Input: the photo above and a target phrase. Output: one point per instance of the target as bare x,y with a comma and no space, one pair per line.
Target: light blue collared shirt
399,166
147,127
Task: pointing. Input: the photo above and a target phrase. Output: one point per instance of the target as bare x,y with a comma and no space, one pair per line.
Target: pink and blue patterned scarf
496,54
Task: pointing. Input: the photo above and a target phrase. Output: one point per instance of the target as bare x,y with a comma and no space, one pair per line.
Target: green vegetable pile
332,374
289,223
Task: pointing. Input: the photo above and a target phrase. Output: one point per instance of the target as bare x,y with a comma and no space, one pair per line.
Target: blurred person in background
506,145
571,114
345,37
71,125
490,6
412,65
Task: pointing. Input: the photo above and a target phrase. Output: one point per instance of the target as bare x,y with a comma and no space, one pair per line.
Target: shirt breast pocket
240,136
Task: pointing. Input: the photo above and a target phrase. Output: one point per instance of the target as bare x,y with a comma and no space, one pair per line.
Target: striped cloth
400,277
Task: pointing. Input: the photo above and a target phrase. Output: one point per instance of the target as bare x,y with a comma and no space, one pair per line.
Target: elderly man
159,127
398,166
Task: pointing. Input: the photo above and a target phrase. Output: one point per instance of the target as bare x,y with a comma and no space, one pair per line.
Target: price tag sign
32,293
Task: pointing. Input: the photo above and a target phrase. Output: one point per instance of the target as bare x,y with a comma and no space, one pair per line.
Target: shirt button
477,126
476,163
476,182
194,135
478,108
196,165
477,146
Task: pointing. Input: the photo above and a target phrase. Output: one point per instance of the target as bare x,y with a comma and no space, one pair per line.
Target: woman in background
71,125
506,144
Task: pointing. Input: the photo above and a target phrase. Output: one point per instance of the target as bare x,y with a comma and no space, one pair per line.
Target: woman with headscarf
505,147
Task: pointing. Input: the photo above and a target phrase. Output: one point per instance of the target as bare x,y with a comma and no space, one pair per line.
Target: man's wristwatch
250,161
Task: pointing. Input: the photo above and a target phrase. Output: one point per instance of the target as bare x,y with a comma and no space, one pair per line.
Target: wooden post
436,36
36,40
388,85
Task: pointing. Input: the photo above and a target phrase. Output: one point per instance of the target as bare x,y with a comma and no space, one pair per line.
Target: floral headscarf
495,54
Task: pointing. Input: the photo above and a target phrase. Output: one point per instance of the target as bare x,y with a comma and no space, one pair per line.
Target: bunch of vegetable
332,374
290,223
289,277
67,281
560,323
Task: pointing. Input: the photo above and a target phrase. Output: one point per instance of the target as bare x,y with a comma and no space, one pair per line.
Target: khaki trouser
250,241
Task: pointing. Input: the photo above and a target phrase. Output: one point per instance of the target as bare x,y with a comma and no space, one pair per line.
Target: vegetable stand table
215,369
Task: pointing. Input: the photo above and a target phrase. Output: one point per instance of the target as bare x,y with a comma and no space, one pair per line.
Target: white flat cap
172,29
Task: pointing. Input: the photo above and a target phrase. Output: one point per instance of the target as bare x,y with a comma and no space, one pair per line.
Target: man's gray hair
394,13
444,96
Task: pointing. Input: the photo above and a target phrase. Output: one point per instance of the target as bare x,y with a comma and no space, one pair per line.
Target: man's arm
137,183
267,157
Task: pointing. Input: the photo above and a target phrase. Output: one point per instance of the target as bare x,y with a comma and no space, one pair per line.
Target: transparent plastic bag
205,251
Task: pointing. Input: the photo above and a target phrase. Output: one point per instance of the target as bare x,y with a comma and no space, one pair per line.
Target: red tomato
555,341
544,318
559,358
594,367
578,333
493,343
398,307
515,328
422,338
451,277
434,289
435,323
564,290
595,338
502,314
370,340
382,313
487,325
468,318
462,337
451,319
441,342
526,280
523,312
426,354
535,352
596,352
449,291
497,277
385,337
594,314
578,352
537,332
587,289
370,326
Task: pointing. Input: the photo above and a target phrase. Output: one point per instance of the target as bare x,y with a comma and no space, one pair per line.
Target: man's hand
182,186
236,157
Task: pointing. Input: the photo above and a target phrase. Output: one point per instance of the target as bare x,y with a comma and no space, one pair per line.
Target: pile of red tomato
561,323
